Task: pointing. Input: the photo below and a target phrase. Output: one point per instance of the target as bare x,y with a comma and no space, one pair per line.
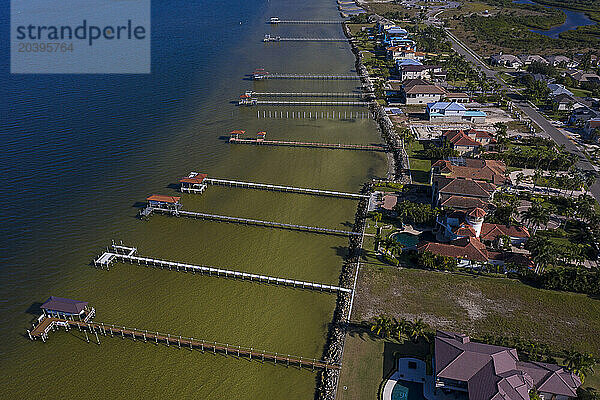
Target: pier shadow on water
34,309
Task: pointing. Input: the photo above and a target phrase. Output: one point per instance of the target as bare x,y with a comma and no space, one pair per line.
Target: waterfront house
444,188
492,171
394,33
483,371
506,60
453,112
456,97
419,91
421,72
393,91
461,142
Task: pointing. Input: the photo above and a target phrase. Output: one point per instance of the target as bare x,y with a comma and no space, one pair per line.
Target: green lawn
479,305
580,92
420,167
369,361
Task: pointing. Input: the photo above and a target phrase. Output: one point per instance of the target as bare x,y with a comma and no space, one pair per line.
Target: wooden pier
97,329
266,75
343,146
308,94
275,21
108,257
249,221
255,102
269,38
281,188
330,114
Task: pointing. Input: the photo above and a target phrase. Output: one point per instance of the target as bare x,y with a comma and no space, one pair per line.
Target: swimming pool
406,239
404,390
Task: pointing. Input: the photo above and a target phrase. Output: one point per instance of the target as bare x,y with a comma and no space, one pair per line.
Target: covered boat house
193,183
60,307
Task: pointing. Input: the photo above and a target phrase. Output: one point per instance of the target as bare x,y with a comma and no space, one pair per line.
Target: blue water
573,20
404,390
407,239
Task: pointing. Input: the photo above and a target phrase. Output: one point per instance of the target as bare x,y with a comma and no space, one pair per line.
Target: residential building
564,102
395,52
581,76
419,91
443,188
561,61
469,142
453,112
407,61
492,171
456,97
557,88
591,125
421,72
394,33
489,372
506,60
528,59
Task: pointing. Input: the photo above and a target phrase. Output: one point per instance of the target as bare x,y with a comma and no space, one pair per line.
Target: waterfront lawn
478,305
369,361
420,166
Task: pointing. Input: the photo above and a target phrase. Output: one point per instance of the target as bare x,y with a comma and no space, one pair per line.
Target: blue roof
396,29
445,105
408,61
475,113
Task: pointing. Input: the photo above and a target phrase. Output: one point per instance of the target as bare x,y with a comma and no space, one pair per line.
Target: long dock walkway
105,329
281,188
269,38
309,144
275,21
309,103
249,221
258,76
108,257
308,94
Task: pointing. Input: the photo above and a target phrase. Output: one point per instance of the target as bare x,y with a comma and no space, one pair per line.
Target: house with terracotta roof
443,188
489,372
469,142
492,171
457,97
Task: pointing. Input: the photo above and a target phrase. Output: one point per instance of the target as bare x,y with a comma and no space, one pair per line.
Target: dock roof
61,304
164,199
194,179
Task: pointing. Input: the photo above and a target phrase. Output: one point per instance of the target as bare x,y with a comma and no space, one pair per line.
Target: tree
541,249
581,364
377,217
417,330
537,215
383,326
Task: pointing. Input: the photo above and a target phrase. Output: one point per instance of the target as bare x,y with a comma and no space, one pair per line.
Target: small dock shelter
66,308
162,201
193,183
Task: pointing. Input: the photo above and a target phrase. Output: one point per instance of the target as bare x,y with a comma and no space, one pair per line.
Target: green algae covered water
81,152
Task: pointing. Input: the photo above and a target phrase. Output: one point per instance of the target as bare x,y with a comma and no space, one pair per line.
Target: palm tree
396,248
382,326
537,215
417,330
581,364
377,217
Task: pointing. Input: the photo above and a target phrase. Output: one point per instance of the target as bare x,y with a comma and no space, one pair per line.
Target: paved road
539,119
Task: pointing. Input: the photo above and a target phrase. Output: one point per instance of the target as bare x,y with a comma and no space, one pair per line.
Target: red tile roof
464,187
194,180
164,199
237,132
461,202
477,213
484,170
468,248
492,231
459,138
